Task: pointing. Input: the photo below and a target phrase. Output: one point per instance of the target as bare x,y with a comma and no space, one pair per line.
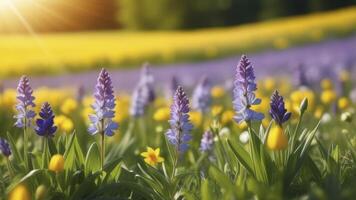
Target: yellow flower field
58,53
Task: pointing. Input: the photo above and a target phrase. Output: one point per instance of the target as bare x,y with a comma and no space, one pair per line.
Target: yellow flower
344,76
86,112
57,163
152,156
20,192
8,98
196,118
64,123
227,116
328,96
326,84
263,107
162,114
269,84
319,111
343,103
160,102
69,105
217,92
242,125
297,97
122,108
277,140
87,101
216,110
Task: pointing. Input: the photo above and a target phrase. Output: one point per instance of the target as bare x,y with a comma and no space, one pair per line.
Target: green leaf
17,156
206,191
222,180
92,160
243,156
73,153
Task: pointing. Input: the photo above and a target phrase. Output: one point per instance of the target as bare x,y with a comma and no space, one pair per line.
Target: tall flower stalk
46,129
201,99
243,96
25,115
277,140
179,133
6,151
142,96
104,108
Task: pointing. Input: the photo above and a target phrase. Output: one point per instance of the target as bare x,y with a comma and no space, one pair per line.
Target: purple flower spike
278,111
147,82
174,85
138,103
300,76
244,97
179,134
143,94
207,142
45,124
104,105
24,103
5,147
201,96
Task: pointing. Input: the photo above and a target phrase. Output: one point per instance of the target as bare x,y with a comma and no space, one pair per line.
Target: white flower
326,118
244,137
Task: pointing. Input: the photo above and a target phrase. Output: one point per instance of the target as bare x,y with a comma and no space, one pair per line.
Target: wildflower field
55,53
261,138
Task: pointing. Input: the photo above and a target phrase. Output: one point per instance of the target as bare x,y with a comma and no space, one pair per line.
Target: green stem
295,132
175,165
25,145
45,152
9,167
102,146
142,125
251,145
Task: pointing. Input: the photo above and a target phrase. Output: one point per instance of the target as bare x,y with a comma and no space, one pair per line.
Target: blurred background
65,37
83,15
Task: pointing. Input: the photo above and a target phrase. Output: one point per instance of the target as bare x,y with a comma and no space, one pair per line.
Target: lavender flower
278,111
101,121
138,103
201,96
174,84
244,97
80,93
5,147
207,142
300,76
24,103
179,134
147,83
45,124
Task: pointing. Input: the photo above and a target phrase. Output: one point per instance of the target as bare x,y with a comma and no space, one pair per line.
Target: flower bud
346,117
41,192
57,163
303,106
20,192
277,140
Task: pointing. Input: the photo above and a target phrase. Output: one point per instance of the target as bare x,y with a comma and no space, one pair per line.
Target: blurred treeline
78,15
187,14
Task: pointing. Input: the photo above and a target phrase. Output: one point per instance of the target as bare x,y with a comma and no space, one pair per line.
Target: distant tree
148,14
273,8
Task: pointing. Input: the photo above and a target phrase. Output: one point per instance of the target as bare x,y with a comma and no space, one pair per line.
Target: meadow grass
73,52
